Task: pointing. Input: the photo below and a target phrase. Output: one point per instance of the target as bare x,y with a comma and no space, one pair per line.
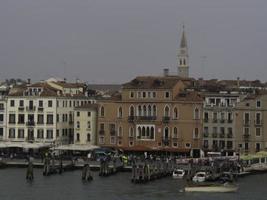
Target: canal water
69,186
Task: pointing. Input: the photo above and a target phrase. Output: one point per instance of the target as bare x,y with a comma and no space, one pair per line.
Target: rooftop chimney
165,72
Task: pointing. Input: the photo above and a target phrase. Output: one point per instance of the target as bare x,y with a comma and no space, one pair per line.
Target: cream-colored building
251,124
3,111
41,113
85,120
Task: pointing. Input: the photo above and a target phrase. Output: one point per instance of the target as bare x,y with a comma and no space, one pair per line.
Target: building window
120,112
175,113
2,107
40,133
175,144
139,94
102,111
50,103
1,118
12,118
258,118
78,137
154,110
154,94
49,119
120,131
1,132
258,147
49,134
12,133
131,132
112,140
21,133
195,133
131,94
21,103
21,119
175,132
166,133
40,119
145,132
12,103
88,137
89,124
246,118
144,94
196,114
40,103
78,124
166,111
78,114
131,111
89,114
258,104
187,145
131,143
258,131
167,94
101,140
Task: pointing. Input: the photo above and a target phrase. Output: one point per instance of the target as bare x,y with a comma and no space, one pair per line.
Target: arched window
152,133
120,112
131,111
166,111
78,124
175,132
143,132
147,132
166,132
196,113
149,110
144,110
102,111
139,132
78,137
175,113
131,132
139,110
154,110
120,131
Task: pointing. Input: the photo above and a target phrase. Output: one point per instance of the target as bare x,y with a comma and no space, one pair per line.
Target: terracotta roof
189,96
153,82
87,106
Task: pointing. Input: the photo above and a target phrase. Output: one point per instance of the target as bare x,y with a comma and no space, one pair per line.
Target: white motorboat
200,177
226,187
178,173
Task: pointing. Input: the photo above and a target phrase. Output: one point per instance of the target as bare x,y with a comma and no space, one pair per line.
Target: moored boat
226,187
178,173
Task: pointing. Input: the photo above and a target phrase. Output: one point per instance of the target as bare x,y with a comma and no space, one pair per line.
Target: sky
113,41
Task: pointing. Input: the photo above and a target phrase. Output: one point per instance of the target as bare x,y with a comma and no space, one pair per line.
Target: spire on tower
183,43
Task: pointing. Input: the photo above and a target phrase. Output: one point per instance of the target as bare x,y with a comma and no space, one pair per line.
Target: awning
24,145
76,147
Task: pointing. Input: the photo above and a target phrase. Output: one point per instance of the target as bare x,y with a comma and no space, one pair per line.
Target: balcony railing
246,122
30,123
31,108
214,135
146,118
40,109
246,136
165,119
131,118
258,122
21,108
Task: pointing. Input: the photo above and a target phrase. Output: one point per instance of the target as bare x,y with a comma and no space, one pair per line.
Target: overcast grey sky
112,41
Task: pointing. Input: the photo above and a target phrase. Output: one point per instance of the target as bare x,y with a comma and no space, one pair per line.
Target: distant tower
182,57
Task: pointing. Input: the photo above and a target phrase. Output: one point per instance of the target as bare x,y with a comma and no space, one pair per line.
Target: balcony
165,141
131,119
30,123
21,108
246,136
258,122
214,135
206,120
146,118
101,132
222,135
31,108
165,119
246,122
206,134
112,132
230,121
40,109
230,135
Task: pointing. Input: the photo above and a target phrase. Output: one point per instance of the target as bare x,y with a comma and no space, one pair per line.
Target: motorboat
178,173
200,177
211,187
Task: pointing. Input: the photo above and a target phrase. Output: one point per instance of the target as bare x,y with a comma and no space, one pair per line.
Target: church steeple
182,57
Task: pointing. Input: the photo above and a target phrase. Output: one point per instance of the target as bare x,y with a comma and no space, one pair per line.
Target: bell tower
182,57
